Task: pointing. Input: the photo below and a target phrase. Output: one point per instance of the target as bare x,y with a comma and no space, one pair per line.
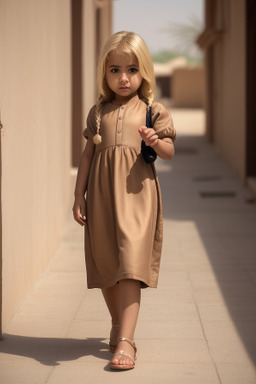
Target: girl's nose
123,77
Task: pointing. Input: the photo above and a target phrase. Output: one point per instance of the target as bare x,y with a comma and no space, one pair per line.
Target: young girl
122,211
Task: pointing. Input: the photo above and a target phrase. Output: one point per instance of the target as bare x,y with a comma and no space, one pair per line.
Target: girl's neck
123,100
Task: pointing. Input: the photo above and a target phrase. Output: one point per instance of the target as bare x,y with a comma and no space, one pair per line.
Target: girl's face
123,76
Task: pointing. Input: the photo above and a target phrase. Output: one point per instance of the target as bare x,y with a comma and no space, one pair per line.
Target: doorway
251,89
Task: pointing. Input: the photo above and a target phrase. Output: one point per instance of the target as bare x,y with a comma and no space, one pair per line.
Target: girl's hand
149,136
79,210
164,147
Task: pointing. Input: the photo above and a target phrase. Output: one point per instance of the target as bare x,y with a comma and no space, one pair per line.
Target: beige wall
103,22
226,80
89,58
35,107
230,129
36,112
188,87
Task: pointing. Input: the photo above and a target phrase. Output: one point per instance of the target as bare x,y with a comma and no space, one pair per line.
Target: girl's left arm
163,147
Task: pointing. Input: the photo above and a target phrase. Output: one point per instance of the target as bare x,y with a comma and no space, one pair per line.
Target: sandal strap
122,353
132,344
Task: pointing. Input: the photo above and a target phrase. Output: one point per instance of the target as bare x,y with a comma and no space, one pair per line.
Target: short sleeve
162,121
90,129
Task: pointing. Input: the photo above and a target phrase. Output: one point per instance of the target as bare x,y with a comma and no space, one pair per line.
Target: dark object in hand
148,153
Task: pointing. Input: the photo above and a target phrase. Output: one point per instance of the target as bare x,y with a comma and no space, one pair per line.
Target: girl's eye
133,70
114,70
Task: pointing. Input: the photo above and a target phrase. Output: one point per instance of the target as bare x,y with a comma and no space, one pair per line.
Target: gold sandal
113,343
122,353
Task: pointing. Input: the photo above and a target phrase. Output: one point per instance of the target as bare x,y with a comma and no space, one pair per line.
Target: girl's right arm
82,181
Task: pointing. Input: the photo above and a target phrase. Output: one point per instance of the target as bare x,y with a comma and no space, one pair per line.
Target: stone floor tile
146,373
175,351
179,329
231,343
173,312
222,313
237,373
211,296
225,276
23,371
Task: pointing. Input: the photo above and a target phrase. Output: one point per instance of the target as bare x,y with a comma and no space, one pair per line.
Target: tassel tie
97,139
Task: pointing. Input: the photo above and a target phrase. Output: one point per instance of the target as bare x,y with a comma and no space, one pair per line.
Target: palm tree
185,35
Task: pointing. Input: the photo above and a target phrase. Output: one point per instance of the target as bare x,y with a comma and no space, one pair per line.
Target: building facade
229,42
47,79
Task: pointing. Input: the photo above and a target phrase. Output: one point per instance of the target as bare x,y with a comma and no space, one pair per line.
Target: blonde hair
124,43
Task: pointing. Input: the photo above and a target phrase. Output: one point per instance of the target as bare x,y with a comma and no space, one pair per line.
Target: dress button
119,131
120,118
122,107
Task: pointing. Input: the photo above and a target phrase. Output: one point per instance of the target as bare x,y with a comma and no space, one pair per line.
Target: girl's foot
125,356
113,337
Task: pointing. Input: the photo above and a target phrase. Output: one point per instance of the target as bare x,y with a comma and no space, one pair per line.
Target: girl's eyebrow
118,66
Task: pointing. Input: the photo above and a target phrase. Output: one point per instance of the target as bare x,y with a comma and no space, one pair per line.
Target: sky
149,18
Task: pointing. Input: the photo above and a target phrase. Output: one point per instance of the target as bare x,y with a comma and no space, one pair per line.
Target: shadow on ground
51,351
198,188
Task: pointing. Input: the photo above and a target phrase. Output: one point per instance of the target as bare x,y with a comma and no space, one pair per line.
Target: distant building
164,73
182,83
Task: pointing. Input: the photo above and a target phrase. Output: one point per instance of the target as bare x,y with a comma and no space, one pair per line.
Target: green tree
184,35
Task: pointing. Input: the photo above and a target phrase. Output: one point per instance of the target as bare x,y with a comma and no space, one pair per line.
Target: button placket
119,127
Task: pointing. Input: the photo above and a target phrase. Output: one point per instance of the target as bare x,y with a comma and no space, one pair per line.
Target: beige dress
123,231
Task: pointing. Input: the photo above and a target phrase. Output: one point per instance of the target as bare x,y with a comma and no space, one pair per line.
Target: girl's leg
111,296
129,296
129,305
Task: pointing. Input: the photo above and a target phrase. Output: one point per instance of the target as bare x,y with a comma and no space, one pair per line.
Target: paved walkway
198,327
